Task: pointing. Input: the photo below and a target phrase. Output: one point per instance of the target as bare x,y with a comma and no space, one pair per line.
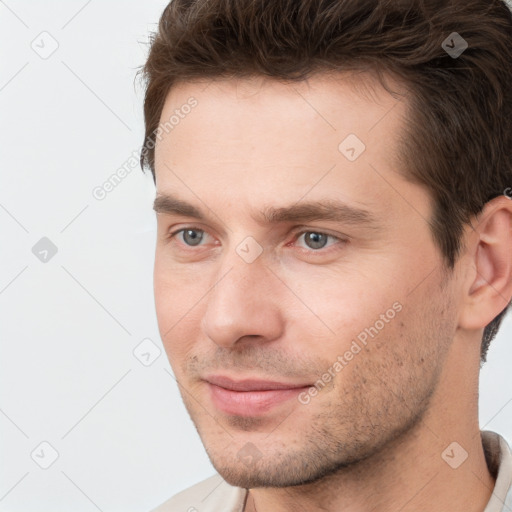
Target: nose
243,303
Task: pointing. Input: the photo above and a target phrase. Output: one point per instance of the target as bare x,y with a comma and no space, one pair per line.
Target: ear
488,288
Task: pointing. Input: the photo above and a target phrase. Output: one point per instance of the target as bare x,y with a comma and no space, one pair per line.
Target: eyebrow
327,210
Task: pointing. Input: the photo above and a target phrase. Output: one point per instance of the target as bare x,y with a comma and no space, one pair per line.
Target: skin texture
373,437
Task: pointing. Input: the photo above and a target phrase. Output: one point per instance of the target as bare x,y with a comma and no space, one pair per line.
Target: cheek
346,302
162,287
178,307
176,287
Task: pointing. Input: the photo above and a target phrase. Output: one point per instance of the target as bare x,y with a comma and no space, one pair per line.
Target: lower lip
250,403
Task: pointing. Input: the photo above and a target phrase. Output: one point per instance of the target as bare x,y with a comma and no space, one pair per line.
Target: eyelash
296,237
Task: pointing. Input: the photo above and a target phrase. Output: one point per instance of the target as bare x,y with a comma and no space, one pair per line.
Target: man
334,248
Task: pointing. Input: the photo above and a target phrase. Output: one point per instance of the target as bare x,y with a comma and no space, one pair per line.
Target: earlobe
490,289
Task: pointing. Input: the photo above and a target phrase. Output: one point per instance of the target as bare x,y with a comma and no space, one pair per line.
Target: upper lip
250,384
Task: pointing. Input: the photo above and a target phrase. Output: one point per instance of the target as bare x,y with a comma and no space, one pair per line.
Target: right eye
190,236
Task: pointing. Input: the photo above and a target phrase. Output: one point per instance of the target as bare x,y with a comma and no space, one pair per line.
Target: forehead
331,105
249,139
360,95
325,107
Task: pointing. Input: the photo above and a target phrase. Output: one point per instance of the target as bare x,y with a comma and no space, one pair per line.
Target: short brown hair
459,126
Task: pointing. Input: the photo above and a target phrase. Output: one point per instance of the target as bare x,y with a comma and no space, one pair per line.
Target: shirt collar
499,461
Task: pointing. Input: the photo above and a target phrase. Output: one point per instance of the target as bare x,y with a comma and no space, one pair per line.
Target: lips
250,397
250,384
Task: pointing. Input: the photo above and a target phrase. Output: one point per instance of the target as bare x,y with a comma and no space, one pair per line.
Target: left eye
315,240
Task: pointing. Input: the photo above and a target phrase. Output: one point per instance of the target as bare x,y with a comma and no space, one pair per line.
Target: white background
68,326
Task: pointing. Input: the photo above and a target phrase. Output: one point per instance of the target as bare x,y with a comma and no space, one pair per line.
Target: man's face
355,309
